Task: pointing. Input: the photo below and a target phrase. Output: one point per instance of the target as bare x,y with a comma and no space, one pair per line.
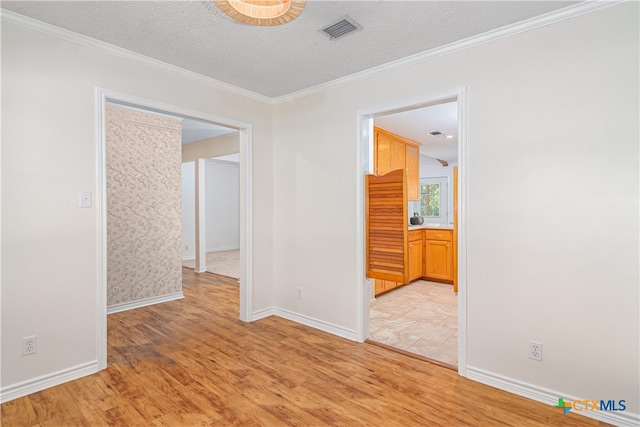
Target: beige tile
441,352
426,311
450,322
421,317
432,317
225,263
447,299
434,288
394,325
397,309
393,338
432,332
448,309
373,313
453,340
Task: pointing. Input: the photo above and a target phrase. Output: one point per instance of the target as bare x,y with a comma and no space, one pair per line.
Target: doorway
215,225
403,308
103,97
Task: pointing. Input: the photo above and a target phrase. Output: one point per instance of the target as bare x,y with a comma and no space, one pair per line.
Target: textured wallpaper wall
144,155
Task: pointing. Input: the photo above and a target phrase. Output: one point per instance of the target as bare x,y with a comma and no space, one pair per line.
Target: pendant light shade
262,12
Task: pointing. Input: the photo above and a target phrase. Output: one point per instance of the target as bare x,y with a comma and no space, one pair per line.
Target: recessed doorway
424,317
104,97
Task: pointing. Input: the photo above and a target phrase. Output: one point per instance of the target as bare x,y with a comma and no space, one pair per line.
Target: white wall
222,206
540,105
49,155
211,147
188,211
219,146
547,108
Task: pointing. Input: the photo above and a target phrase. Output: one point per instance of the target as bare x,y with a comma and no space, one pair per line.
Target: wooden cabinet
390,153
412,162
438,259
415,266
415,255
430,257
384,285
393,152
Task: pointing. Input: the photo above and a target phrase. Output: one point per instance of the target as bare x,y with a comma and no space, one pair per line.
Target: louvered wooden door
387,228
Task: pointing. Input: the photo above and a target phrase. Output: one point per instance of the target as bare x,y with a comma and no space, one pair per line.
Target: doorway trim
103,96
364,159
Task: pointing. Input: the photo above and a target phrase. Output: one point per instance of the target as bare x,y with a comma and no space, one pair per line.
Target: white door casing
246,219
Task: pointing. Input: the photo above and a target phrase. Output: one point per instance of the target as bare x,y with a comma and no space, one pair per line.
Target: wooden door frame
103,96
364,162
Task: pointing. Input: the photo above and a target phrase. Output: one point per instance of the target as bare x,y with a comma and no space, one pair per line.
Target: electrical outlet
535,350
186,247
299,293
29,345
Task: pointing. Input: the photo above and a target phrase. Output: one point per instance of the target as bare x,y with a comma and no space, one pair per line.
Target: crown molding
61,33
489,36
486,37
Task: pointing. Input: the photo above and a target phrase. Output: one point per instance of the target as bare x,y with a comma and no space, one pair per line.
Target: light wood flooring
191,362
420,318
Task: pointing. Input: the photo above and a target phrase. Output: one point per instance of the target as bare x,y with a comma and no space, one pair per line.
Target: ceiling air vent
341,28
435,133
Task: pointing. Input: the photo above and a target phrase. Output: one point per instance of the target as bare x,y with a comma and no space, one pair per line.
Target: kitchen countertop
431,226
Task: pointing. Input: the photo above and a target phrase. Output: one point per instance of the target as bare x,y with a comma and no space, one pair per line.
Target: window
430,200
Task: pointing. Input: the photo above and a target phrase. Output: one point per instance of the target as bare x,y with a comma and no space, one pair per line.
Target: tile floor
224,263
421,317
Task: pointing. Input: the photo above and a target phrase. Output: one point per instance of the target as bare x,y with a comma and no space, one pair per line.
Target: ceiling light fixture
262,12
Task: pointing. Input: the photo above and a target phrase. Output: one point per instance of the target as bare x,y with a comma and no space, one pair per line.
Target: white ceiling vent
341,28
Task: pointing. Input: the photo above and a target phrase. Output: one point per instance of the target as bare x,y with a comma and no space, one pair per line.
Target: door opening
423,314
103,97
222,222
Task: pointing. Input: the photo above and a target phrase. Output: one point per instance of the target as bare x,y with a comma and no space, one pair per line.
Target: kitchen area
411,233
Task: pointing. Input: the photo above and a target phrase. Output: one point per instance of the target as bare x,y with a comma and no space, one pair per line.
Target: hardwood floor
192,362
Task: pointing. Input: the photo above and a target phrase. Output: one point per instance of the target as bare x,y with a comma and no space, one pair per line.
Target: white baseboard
261,314
116,308
53,379
225,248
549,397
340,331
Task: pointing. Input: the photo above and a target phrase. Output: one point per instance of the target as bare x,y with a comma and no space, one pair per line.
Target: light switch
85,199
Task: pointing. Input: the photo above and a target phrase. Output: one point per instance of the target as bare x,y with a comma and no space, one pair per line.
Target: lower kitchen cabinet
415,256
438,260
384,285
430,257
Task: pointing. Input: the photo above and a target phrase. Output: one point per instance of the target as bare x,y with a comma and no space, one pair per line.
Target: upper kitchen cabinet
392,152
413,171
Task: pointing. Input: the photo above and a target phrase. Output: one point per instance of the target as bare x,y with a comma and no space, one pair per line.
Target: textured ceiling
275,61
417,123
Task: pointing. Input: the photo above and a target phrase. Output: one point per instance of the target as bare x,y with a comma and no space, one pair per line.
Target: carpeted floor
224,263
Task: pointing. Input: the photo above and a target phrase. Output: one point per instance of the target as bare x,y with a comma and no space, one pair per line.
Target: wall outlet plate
29,345
535,350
